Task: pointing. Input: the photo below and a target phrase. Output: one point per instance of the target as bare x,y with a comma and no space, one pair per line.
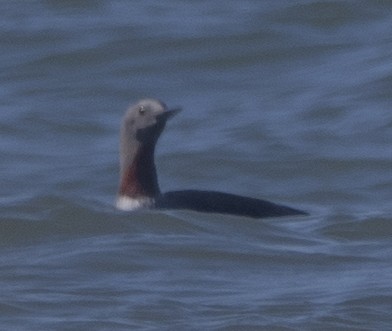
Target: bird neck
139,178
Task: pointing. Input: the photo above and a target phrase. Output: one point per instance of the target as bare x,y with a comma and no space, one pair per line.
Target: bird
141,127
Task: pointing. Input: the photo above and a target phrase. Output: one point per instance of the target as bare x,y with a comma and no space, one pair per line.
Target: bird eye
142,110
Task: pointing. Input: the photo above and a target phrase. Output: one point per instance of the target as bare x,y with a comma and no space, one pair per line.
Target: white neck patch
126,203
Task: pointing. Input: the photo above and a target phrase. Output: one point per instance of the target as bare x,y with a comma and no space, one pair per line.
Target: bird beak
169,113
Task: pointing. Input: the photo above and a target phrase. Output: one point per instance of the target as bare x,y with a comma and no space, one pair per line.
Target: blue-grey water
290,101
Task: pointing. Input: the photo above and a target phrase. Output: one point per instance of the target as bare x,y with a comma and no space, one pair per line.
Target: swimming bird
141,127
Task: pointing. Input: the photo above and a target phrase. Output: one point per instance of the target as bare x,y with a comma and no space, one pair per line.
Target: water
284,100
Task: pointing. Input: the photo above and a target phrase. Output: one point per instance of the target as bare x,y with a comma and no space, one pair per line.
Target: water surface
287,101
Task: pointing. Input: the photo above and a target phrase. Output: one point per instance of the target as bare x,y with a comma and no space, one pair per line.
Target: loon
141,127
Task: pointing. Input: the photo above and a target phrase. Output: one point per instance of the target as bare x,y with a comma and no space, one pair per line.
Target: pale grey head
142,125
